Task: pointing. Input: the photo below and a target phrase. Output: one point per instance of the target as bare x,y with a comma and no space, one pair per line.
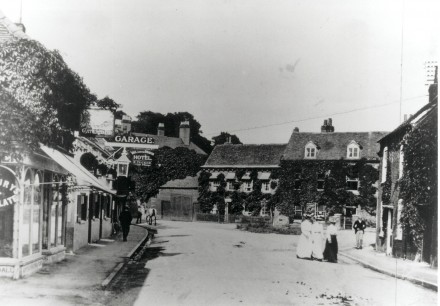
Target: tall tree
39,84
225,137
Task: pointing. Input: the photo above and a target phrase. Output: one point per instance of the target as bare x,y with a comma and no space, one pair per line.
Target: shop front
32,214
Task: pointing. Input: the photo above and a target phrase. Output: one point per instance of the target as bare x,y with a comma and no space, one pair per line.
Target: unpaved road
215,264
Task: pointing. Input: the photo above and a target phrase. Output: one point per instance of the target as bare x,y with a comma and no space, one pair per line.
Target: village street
216,264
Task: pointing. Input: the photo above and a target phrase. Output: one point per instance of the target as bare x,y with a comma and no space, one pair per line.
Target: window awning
264,176
76,169
230,176
247,176
214,175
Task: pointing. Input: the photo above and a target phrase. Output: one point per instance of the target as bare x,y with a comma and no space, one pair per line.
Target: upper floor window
320,181
215,184
231,185
297,180
384,165
353,150
352,183
247,186
265,186
401,158
311,150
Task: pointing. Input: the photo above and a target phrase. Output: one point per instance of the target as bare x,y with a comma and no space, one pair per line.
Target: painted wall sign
133,139
8,187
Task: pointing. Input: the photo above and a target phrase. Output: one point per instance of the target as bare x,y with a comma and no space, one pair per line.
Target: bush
269,229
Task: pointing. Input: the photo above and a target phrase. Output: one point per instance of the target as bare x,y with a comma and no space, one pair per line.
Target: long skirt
304,248
331,249
317,246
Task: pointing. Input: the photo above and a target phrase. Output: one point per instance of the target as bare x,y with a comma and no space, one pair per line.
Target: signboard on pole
101,123
142,159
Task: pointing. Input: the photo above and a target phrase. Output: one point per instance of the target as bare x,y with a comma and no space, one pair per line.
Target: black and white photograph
219,152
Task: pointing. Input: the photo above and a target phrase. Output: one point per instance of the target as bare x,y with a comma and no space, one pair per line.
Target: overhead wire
318,116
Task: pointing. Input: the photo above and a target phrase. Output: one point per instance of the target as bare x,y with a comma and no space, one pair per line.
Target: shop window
25,229
81,207
36,213
107,206
352,183
97,208
56,213
8,200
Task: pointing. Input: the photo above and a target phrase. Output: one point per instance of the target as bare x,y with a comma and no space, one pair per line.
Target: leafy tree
169,164
45,91
225,137
148,121
107,103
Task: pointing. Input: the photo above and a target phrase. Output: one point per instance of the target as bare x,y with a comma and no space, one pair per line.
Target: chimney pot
161,129
325,122
330,121
184,132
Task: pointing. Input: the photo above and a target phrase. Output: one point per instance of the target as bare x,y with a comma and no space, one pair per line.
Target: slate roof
230,155
333,146
172,142
190,182
9,30
413,120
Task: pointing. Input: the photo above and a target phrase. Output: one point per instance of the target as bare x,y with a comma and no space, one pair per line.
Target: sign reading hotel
130,141
8,188
142,159
101,123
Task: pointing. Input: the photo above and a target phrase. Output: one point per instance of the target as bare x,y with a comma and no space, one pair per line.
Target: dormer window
311,150
353,150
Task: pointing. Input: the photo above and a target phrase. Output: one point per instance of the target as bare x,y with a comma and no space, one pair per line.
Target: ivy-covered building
328,172
242,176
407,206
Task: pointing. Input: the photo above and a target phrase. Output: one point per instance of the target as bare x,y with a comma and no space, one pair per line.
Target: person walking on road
331,245
304,248
359,227
140,211
125,219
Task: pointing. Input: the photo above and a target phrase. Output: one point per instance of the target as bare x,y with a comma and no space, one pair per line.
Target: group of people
316,244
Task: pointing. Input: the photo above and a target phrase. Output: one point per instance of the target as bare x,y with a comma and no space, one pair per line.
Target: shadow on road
125,287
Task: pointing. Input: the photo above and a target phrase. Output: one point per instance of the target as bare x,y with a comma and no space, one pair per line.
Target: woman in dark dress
331,245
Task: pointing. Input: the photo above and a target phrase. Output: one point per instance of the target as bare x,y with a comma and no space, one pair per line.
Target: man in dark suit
359,227
125,219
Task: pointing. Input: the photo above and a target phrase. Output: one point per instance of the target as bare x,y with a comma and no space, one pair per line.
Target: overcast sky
240,64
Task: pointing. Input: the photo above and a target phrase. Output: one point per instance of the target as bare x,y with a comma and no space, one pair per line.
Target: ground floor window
6,230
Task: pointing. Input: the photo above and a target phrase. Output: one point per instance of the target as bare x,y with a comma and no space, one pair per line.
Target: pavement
79,279
416,272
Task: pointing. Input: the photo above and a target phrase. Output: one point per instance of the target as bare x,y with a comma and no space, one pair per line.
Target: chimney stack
184,132
327,127
161,129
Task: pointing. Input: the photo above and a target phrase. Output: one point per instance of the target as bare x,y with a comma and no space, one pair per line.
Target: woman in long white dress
304,248
317,241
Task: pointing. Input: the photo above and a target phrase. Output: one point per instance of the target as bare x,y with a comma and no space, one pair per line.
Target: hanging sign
8,187
143,159
101,123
